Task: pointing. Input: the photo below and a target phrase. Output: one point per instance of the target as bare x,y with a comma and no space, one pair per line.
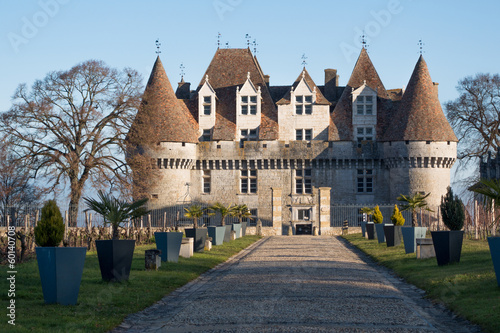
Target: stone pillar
277,207
324,210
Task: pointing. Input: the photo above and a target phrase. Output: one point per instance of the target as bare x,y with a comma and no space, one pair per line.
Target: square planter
448,246
60,271
243,228
237,229
200,236
169,243
379,228
494,243
363,228
370,230
115,258
227,234
217,234
392,234
410,235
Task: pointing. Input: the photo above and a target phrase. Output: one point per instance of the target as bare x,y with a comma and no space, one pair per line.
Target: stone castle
290,152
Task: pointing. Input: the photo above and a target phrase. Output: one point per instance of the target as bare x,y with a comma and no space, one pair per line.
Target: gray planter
370,230
217,234
410,235
244,228
227,234
169,243
379,228
200,236
448,246
115,258
392,235
363,228
61,270
237,229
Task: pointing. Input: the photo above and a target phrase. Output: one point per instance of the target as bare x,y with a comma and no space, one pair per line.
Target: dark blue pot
243,228
169,243
494,243
217,234
379,228
227,234
410,235
115,258
392,234
363,228
200,236
237,229
448,246
370,230
60,271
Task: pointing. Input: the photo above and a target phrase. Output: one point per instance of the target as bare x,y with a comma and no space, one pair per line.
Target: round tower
420,146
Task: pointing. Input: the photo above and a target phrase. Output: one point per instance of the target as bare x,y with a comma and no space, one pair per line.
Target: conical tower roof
363,73
419,116
161,116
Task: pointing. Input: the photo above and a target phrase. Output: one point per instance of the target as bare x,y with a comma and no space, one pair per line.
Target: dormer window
364,134
248,105
303,104
247,135
207,105
364,105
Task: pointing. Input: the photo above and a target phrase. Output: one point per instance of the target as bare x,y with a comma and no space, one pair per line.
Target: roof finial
421,46
364,42
247,36
303,74
218,39
248,75
206,78
227,45
181,67
158,44
254,43
304,58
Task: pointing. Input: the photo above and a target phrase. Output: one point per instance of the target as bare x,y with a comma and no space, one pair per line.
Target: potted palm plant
368,212
378,219
448,244
223,211
410,234
115,255
241,212
200,235
60,268
489,191
393,231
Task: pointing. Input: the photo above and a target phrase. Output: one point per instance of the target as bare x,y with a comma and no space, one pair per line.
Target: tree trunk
75,196
413,218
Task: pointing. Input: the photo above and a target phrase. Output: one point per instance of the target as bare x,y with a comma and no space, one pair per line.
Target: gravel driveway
296,284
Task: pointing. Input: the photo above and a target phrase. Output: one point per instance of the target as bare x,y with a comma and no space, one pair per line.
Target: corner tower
420,146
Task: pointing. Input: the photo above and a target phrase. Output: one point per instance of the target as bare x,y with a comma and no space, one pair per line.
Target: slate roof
228,70
320,99
419,116
363,72
161,116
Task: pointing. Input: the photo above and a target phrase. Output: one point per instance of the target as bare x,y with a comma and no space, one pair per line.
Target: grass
101,305
468,288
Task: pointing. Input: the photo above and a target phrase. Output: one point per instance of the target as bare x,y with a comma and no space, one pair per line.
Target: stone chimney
266,80
331,83
183,90
436,87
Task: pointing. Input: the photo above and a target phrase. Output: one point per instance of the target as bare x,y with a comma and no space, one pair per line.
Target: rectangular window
308,134
364,105
206,136
298,135
303,104
248,181
304,214
248,105
303,134
206,181
248,135
303,181
365,181
207,105
252,219
364,134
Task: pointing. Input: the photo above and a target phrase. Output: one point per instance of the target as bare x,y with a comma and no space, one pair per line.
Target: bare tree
71,125
475,116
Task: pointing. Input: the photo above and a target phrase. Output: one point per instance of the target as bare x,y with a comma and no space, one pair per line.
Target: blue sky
37,37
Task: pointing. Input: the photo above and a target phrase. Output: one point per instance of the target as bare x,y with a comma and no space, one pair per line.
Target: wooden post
90,222
476,220
65,225
86,220
164,220
26,219
36,217
141,223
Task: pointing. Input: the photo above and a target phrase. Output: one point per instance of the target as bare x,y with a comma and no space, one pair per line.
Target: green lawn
469,288
101,305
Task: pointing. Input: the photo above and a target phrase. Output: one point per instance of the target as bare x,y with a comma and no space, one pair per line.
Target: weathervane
304,58
218,39
227,45
254,43
363,40
421,46
247,37
158,44
181,67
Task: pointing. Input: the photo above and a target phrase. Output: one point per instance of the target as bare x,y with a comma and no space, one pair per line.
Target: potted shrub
489,189
115,255
60,268
448,244
200,235
410,234
378,219
393,231
367,213
241,212
223,211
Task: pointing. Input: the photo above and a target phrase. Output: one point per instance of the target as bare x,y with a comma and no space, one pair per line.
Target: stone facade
289,161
